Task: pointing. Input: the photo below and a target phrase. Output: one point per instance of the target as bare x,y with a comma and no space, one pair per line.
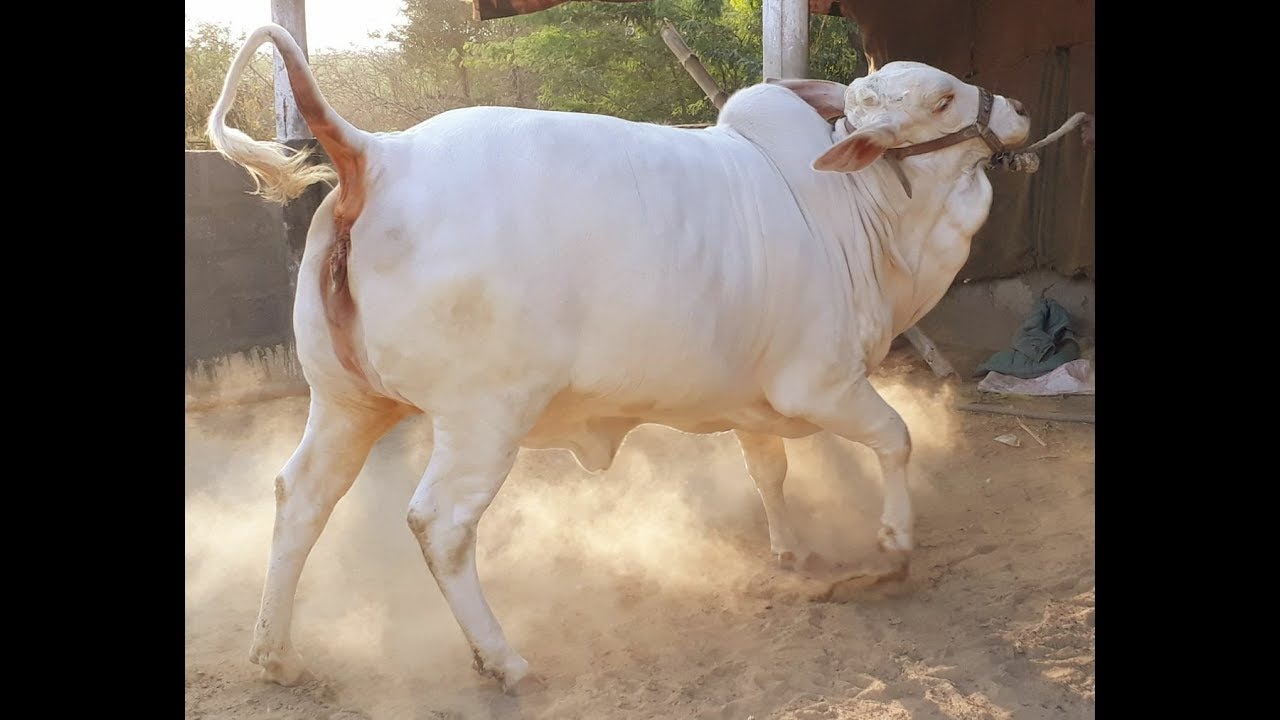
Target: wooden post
692,64
929,351
786,38
292,130
1033,414
292,16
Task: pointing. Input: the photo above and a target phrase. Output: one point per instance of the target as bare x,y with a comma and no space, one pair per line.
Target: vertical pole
292,130
292,16
786,38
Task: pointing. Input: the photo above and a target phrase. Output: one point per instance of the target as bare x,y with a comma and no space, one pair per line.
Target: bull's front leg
766,459
856,411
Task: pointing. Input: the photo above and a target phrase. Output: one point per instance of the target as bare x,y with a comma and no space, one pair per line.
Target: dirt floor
648,592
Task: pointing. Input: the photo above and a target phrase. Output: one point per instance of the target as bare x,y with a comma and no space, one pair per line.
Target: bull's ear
857,151
824,96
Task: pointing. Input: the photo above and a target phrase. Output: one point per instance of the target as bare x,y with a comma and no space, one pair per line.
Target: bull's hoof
513,675
817,567
529,684
899,565
896,547
794,557
792,560
894,541
282,666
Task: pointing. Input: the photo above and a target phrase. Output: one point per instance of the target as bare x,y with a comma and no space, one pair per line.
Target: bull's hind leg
857,412
766,458
470,461
335,444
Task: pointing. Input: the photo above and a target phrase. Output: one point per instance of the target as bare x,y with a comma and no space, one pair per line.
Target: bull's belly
593,428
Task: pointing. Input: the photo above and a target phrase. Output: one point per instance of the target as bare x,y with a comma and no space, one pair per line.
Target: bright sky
331,24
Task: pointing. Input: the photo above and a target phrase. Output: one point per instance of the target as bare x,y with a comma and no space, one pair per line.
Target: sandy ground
648,592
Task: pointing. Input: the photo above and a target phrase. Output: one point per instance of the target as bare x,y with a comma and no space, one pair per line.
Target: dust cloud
572,563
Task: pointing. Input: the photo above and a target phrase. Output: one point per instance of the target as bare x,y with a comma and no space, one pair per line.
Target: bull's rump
622,260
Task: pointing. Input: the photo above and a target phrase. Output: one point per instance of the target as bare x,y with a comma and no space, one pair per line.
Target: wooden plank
1035,414
929,351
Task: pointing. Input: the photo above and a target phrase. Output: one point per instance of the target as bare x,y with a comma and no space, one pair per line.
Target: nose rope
1026,160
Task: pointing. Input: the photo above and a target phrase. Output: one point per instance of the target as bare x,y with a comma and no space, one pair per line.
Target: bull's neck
917,244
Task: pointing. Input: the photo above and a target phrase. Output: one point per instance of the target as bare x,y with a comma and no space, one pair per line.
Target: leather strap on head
979,128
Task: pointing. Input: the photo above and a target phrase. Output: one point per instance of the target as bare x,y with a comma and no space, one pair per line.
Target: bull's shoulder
781,124
769,114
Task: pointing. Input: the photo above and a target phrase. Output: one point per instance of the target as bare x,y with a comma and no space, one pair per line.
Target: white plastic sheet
1073,378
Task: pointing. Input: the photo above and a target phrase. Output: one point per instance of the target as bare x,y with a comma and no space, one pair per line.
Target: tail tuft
280,173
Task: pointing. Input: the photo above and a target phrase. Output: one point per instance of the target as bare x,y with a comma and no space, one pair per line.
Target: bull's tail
282,175
279,173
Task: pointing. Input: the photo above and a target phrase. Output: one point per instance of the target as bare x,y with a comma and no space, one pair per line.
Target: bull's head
913,108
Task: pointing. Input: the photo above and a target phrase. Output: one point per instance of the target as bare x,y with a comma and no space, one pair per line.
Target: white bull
552,280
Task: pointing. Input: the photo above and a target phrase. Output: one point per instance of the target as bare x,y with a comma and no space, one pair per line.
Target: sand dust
648,591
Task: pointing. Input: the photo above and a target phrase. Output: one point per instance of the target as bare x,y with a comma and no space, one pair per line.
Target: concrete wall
239,305
1042,53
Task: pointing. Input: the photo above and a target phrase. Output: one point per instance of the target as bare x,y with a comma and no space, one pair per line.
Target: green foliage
581,56
610,57
473,60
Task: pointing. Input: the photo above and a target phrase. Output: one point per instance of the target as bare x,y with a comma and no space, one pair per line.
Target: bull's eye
944,103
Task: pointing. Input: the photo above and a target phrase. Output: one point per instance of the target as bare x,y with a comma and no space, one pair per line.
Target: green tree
379,90
604,57
440,38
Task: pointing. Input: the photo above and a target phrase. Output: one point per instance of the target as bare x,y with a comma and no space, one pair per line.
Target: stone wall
239,300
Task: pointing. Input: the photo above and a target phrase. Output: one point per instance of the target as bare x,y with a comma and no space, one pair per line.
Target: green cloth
1044,342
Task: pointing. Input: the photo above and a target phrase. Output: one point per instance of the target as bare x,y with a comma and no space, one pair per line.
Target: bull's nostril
1017,107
